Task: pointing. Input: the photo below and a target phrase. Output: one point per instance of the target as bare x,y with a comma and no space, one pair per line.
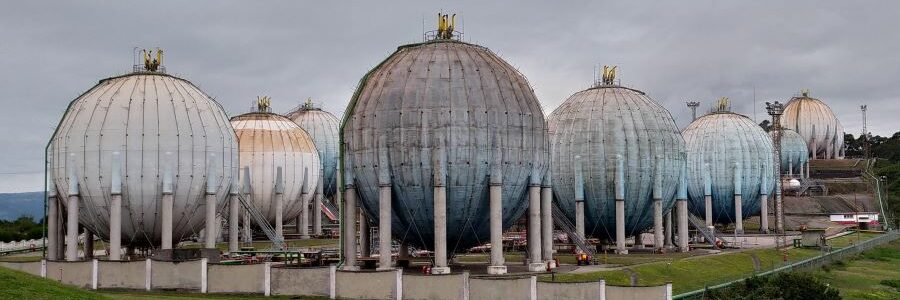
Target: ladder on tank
277,241
563,223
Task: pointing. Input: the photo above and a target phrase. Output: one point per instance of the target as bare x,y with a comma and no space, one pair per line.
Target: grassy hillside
19,285
873,275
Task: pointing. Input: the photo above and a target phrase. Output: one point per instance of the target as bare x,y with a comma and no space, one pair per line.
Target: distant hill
15,205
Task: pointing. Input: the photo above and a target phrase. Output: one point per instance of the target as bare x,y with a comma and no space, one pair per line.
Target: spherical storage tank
719,146
150,126
322,127
268,141
449,103
817,124
594,129
794,152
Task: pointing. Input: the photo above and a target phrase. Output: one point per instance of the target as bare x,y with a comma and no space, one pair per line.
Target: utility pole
693,106
776,110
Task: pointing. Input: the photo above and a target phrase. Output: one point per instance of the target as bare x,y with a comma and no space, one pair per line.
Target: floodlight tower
776,110
693,106
865,131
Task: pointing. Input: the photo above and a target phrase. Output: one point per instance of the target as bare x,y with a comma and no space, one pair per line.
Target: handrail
563,223
277,241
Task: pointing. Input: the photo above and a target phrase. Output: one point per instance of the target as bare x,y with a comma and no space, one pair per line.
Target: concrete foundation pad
440,270
496,270
623,251
384,269
350,268
537,267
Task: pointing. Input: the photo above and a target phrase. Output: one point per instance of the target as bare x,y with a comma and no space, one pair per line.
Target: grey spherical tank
598,129
794,151
144,134
444,104
817,124
268,141
323,128
727,154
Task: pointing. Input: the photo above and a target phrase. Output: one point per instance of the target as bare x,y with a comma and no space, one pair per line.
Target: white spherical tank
268,141
148,126
323,128
817,124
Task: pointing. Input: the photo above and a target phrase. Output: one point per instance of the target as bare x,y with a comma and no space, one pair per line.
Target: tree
766,125
787,286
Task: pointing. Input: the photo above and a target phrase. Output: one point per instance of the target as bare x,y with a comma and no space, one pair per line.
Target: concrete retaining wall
77,273
366,285
33,268
122,274
293,281
500,288
435,286
175,275
636,292
559,290
237,279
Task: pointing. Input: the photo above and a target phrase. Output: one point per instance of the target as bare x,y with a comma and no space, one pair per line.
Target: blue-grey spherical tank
595,128
794,151
322,127
721,145
444,103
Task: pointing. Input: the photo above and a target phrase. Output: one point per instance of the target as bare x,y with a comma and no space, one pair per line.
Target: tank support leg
384,227
764,213
668,242
707,204
620,227
233,220
681,209
72,228
440,230
579,218
348,211
658,238
167,203
365,248
88,244
534,229
317,206
115,227
738,215
496,207
52,225
547,225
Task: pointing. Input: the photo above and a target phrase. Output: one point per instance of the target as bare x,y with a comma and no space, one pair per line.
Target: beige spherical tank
268,141
139,132
817,124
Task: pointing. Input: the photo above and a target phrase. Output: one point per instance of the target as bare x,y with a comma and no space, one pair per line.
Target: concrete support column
807,170
403,251
738,208
234,212
53,241
317,206
297,223
168,201
547,222
304,211
658,238
365,247
212,187
668,220
248,230
707,196
72,228
384,206
279,203
579,198
620,205
440,225
498,262
88,244
348,211
115,210
790,167
764,213
681,208
534,228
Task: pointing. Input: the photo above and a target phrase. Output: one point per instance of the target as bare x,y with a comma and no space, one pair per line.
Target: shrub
787,286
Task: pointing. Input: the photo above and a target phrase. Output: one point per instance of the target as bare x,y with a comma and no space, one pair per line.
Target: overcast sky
846,53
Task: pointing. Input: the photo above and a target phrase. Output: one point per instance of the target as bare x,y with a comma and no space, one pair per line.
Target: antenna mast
865,131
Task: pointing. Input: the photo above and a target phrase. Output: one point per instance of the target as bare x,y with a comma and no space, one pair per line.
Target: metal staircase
330,210
561,222
277,241
700,225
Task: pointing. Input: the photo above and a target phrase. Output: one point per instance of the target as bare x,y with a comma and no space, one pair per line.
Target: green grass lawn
851,239
861,278
691,273
20,285
137,295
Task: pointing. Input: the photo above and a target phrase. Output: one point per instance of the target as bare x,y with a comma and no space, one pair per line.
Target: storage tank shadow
440,121
730,166
140,160
279,164
616,154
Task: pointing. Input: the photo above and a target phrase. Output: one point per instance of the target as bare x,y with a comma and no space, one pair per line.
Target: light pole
693,106
775,110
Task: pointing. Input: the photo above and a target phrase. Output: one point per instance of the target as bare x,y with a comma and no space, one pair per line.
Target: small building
865,219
